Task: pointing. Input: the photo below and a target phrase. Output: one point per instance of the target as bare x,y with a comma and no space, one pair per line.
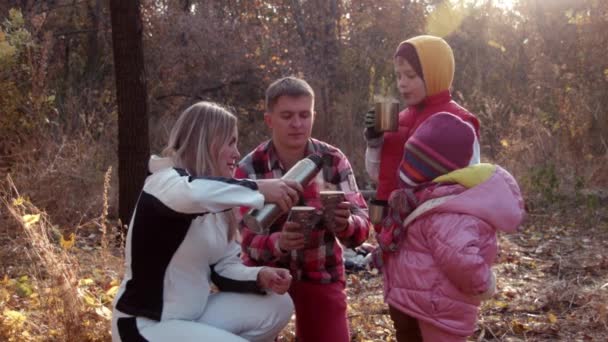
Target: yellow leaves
445,19
4,295
13,319
501,304
504,143
86,282
69,243
19,200
519,327
497,45
112,291
104,312
89,300
552,318
29,220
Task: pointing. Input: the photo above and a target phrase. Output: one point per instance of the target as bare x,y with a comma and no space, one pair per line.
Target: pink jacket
444,262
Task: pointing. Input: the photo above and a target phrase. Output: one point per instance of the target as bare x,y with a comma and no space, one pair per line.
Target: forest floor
552,281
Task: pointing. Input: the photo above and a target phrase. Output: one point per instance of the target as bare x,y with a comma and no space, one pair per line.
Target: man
316,263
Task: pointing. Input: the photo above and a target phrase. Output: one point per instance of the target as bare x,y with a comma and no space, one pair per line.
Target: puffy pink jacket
444,262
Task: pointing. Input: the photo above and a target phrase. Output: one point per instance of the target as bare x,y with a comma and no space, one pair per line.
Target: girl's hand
400,201
277,280
282,192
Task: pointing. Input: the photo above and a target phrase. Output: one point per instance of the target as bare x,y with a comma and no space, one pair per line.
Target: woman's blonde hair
196,139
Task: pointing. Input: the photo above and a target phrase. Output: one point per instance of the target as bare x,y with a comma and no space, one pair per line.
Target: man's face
291,121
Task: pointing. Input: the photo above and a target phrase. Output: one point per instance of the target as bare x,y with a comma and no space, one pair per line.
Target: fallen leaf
67,244
29,220
552,318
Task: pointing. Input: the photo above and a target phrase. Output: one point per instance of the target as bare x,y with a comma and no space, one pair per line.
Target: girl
439,240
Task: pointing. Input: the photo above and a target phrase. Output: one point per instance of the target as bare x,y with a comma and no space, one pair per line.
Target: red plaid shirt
321,260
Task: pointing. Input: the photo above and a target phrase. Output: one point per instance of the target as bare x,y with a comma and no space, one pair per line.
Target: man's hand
341,217
277,280
291,237
282,192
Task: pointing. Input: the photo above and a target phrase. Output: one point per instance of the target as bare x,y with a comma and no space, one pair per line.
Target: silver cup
306,217
330,200
377,211
387,116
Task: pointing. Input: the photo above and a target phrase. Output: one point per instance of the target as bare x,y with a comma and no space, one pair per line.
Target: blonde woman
182,238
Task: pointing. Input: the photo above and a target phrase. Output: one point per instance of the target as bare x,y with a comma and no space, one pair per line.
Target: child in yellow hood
424,66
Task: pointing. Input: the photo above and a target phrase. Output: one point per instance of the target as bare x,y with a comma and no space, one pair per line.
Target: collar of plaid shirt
273,157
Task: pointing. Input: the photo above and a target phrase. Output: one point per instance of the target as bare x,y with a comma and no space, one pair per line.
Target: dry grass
65,286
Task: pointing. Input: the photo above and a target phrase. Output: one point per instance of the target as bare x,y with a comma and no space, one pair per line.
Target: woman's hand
282,192
277,280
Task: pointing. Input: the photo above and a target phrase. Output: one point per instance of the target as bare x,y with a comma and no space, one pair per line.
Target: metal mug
377,211
330,200
306,217
387,116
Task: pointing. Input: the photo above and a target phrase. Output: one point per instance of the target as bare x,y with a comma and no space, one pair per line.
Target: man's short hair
287,86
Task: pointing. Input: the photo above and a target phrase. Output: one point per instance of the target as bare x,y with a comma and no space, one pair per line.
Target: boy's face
410,85
291,120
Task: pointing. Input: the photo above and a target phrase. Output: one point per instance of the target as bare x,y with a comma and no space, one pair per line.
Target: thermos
302,172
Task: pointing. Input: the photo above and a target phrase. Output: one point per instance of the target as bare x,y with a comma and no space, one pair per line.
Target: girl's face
411,86
228,156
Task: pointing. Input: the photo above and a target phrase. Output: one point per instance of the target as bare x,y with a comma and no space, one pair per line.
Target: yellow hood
437,61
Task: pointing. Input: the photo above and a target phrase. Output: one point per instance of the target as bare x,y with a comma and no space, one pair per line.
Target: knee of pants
284,307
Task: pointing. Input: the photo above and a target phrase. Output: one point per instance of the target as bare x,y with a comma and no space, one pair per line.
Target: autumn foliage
535,73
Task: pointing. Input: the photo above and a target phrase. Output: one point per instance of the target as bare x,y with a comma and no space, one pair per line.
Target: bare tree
133,140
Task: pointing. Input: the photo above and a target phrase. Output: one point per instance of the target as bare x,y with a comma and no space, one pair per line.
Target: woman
182,237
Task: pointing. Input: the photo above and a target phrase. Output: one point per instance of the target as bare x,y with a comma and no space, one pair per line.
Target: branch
199,95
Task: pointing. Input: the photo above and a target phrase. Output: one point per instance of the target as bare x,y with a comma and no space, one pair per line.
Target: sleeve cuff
375,142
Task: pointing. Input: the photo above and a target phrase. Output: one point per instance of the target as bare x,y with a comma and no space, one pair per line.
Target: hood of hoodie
157,163
437,61
491,194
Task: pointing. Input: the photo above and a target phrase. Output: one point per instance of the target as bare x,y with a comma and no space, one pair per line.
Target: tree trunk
133,140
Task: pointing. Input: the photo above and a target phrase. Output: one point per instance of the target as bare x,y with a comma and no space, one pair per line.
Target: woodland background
535,72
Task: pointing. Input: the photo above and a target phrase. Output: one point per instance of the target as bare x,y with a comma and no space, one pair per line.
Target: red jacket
409,120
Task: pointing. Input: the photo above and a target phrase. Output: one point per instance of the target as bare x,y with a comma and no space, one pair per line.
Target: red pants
320,312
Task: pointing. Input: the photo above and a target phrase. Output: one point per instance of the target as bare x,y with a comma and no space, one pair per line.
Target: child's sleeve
454,240
372,158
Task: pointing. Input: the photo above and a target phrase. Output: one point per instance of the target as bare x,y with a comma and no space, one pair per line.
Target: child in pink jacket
439,240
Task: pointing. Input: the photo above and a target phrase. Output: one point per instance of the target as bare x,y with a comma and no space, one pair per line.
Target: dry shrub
71,289
60,300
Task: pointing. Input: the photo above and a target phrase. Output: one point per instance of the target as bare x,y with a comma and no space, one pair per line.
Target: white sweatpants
227,317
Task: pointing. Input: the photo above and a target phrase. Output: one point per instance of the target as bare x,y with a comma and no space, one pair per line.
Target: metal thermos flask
302,172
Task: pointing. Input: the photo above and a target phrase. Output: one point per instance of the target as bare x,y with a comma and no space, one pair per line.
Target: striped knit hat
443,143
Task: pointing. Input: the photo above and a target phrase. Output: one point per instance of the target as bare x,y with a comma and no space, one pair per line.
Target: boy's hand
370,124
